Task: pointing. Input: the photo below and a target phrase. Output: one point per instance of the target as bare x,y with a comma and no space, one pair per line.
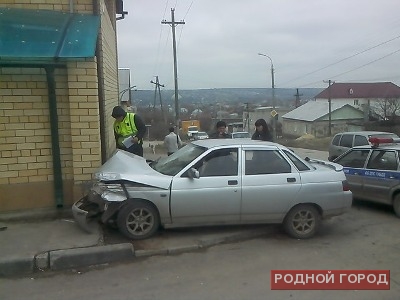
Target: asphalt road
366,238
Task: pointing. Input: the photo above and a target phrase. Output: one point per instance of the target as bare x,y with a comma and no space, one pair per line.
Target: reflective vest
125,128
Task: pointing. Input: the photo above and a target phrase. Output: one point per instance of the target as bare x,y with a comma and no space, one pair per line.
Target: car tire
302,221
138,220
396,205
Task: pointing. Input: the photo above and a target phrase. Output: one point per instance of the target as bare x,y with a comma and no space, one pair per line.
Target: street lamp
121,93
273,113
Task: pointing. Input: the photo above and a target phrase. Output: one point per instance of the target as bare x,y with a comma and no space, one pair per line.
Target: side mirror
193,173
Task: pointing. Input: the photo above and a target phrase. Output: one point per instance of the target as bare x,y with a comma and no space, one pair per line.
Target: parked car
373,171
343,141
215,182
201,135
240,135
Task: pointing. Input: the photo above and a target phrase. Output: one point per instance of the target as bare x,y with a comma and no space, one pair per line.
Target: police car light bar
376,141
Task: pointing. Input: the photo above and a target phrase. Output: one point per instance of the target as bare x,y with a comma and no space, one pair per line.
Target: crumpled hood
127,166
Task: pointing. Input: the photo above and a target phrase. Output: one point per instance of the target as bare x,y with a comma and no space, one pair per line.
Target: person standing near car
129,131
220,133
262,132
172,141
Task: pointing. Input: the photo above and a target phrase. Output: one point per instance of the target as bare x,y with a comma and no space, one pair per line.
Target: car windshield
173,164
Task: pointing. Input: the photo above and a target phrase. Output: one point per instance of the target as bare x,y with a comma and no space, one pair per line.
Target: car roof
388,146
210,143
365,132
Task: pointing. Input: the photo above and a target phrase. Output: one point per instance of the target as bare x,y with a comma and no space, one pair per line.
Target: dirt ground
307,142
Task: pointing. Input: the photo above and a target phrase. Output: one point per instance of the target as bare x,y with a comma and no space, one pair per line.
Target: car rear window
298,163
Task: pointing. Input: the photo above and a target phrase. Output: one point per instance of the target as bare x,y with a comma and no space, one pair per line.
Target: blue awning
46,34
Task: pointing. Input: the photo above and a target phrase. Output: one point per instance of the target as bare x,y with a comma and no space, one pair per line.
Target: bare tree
388,108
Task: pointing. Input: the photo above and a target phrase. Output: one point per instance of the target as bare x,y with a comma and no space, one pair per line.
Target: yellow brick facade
26,161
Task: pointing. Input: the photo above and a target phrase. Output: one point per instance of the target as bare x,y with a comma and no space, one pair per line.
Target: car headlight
110,192
112,196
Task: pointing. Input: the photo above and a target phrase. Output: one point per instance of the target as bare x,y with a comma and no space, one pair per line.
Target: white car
201,135
215,182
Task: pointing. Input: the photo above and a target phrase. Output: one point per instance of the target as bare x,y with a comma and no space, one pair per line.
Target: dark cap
118,111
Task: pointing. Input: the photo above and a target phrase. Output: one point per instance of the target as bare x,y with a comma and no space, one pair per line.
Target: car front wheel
396,205
138,220
302,221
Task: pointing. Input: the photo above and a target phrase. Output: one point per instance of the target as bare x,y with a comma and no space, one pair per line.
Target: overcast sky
309,41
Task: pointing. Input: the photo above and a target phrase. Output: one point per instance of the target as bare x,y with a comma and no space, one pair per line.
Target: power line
344,59
362,66
371,62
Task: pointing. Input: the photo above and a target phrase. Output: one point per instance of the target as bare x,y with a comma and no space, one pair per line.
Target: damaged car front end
127,194
101,204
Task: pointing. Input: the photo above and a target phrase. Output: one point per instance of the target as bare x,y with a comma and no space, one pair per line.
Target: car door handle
232,182
291,179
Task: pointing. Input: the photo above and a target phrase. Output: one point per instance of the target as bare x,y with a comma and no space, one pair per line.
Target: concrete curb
82,257
64,259
16,266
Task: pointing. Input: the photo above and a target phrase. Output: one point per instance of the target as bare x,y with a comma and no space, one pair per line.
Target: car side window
346,140
360,140
354,159
265,162
383,160
336,139
221,162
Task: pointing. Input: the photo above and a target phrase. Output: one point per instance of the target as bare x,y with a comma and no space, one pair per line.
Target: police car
373,171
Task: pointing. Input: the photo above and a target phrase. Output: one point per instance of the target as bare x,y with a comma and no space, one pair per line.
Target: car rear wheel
396,205
302,221
138,220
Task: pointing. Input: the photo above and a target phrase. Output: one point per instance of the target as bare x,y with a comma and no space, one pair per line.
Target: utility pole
273,112
248,117
173,25
330,82
297,95
157,87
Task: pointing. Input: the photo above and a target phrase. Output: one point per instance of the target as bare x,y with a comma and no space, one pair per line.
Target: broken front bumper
92,208
85,213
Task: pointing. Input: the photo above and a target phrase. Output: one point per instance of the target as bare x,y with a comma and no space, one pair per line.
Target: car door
353,163
269,186
381,176
214,197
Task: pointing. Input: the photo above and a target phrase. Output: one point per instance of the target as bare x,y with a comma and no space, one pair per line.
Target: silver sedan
215,182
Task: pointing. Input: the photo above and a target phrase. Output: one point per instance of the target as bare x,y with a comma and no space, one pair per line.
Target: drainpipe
71,6
100,89
55,142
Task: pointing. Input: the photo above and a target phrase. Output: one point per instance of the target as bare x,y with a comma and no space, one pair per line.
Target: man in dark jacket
129,131
221,131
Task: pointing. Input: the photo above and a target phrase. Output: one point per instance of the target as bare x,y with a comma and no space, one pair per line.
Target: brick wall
26,166
109,76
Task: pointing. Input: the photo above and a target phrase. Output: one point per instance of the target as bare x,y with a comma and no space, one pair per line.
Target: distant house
381,98
313,118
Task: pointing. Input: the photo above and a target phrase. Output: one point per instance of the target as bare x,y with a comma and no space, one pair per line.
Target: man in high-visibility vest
129,131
